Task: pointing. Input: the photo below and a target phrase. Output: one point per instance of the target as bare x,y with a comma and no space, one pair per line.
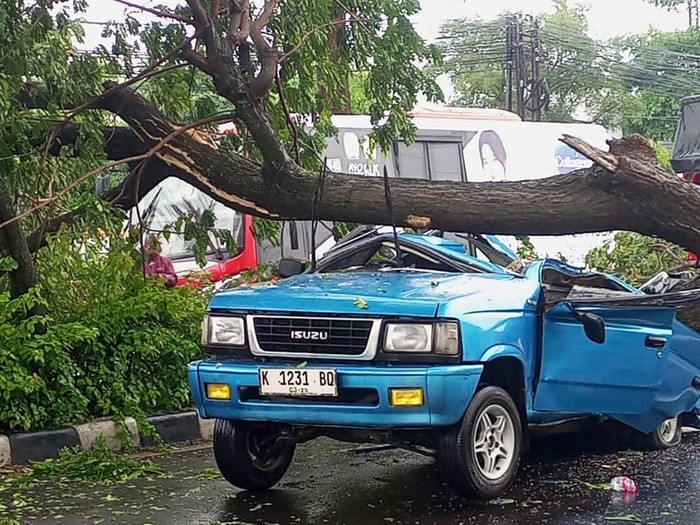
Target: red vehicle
245,259
174,198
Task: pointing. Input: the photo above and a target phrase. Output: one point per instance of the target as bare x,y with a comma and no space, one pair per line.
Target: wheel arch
507,371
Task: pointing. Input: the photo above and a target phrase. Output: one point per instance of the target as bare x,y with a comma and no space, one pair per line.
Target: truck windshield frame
363,251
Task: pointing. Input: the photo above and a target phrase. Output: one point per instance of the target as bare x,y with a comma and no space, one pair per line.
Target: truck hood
405,293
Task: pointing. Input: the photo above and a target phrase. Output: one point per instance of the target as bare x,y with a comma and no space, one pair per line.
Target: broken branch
603,159
134,158
148,72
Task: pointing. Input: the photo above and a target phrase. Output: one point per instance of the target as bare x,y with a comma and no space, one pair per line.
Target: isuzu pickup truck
414,342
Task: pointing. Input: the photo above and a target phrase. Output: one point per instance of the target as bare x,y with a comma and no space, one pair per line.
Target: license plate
298,382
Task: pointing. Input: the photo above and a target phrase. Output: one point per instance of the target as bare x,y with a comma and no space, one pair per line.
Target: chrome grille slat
347,338
343,337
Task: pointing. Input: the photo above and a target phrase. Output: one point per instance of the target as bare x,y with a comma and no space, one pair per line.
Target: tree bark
23,278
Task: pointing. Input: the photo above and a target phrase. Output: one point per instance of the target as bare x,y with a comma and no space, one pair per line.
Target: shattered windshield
172,199
380,254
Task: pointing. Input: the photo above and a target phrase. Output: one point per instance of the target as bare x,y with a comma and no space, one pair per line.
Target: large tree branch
625,190
630,191
205,26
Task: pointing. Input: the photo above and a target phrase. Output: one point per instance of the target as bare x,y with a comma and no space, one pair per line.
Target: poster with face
510,152
494,158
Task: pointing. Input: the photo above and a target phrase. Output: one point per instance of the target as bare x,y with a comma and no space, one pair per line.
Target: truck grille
312,335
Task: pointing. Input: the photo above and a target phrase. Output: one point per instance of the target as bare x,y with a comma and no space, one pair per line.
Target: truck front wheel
480,456
251,456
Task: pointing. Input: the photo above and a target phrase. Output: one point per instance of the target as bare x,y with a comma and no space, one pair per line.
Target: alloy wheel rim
264,449
668,429
493,442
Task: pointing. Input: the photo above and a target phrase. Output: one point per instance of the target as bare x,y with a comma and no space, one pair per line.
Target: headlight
446,338
408,338
223,331
441,338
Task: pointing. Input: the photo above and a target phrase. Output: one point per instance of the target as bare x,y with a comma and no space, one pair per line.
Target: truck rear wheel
668,434
480,455
251,456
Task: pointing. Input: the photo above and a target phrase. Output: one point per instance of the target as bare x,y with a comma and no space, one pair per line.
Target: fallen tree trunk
626,189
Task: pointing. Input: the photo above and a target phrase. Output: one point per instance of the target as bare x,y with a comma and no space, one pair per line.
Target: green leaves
634,257
668,4
372,63
115,345
7,264
361,303
98,466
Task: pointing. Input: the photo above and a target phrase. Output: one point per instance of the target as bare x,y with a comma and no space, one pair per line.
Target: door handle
654,342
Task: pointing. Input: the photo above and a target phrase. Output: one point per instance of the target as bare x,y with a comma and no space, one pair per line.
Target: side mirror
290,267
593,326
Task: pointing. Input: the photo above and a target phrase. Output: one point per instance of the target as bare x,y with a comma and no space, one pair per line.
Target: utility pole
520,66
522,69
510,61
693,14
535,105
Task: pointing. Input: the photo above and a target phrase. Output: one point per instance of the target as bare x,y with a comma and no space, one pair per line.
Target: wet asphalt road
330,483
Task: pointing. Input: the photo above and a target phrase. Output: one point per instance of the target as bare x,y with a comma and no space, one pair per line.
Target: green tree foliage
660,69
376,44
107,342
115,344
635,258
475,57
668,4
633,83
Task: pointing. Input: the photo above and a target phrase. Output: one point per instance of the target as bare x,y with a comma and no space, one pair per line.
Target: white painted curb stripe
89,432
5,451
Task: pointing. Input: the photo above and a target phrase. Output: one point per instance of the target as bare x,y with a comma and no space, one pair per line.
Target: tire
249,455
478,460
667,435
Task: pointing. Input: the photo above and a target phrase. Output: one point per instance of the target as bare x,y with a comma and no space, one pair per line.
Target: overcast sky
607,17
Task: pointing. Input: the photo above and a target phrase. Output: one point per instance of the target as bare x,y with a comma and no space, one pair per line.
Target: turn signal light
218,391
406,397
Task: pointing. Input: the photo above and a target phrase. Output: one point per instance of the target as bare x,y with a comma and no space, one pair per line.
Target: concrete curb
178,428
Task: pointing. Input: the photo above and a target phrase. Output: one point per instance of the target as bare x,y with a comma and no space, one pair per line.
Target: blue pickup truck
413,341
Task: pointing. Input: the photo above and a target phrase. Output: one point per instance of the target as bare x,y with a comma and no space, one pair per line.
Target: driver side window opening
559,286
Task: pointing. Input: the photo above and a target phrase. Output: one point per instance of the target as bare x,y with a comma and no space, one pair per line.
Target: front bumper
448,390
